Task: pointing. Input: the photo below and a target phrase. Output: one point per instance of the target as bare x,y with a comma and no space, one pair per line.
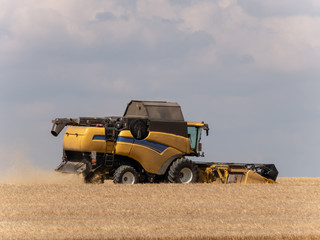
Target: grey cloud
235,59
279,8
4,32
172,45
105,16
129,5
184,2
109,16
124,17
200,38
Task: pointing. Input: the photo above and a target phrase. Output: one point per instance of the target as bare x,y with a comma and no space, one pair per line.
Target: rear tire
183,171
125,175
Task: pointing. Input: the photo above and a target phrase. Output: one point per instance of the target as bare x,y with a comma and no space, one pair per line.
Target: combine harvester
149,143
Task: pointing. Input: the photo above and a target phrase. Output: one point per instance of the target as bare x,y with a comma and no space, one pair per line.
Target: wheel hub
185,175
128,178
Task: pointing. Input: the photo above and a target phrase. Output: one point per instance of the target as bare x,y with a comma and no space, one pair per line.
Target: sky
247,68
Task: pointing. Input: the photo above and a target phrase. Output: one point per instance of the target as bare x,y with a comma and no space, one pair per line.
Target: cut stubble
287,210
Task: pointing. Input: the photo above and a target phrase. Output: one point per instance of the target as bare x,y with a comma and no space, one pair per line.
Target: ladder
111,139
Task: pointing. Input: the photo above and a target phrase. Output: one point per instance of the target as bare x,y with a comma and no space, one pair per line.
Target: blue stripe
158,147
125,139
99,137
153,145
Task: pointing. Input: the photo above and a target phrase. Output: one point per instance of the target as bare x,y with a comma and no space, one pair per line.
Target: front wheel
183,171
125,175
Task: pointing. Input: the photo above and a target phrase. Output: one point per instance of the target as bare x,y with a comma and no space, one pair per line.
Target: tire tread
173,174
117,176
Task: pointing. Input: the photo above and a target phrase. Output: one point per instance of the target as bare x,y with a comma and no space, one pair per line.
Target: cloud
283,8
105,16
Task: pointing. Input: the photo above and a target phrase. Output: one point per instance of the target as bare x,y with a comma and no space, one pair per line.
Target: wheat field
69,209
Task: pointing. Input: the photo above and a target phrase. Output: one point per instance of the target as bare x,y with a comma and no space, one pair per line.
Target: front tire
125,175
183,171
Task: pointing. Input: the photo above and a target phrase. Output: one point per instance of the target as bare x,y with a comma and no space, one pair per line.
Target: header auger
149,143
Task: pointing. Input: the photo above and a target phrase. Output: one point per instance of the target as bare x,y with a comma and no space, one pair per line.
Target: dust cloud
19,169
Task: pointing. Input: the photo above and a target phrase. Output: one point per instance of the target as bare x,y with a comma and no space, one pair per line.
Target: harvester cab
194,135
149,143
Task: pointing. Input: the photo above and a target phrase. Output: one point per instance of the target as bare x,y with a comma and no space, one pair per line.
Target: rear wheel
125,175
183,171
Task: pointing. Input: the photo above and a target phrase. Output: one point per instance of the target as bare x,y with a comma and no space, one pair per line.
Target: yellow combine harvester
149,143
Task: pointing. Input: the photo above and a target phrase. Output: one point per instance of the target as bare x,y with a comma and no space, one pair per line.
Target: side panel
151,159
73,138
124,147
85,139
95,140
153,152
178,142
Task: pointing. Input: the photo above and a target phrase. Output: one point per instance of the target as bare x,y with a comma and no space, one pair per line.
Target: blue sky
248,68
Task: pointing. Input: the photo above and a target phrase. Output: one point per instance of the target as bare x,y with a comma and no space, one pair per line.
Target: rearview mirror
206,128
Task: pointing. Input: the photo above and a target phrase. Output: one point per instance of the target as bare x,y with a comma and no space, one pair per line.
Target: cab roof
154,110
196,124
